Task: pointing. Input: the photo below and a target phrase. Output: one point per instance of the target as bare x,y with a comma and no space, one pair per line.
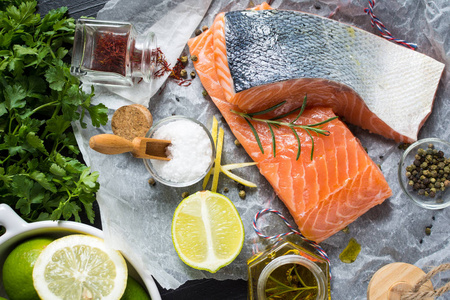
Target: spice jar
112,53
290,268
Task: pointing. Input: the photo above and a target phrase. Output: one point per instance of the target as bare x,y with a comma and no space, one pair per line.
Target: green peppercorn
225,190
198,32
424,165
242,194
183,73
237,143
184,194
193,74
428,230
151,181
204,28
194,58
184,59
204,93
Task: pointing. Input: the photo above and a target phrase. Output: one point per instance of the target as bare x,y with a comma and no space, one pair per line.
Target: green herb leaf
14,96
35,142
256,136
55,76
274,147
43,181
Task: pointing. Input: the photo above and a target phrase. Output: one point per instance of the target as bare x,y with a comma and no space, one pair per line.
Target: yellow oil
286,274
291,281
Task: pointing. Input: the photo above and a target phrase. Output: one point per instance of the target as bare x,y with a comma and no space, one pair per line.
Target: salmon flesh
341,182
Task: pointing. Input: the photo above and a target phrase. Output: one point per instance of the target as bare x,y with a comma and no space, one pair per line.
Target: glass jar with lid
112,53
290,268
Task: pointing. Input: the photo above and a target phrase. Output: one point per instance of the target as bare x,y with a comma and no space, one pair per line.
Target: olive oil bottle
288,269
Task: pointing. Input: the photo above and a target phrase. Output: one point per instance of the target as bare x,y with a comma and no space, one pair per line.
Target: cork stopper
131,121
391,281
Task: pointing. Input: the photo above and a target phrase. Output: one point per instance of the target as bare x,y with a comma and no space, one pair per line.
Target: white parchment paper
136,217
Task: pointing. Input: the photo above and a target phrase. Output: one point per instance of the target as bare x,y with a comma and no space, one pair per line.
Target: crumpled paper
136,217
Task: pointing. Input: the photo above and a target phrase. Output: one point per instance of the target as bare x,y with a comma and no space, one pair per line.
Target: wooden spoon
140,147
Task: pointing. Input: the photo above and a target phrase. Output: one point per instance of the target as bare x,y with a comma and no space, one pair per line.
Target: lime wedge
79,267
207,231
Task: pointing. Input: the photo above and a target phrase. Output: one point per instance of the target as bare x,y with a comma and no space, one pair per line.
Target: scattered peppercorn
346,229
184,59
204,28
184,194
183,73
194,58
192,74
151,181
403,146
242,194
237,143
429,173
428,230
225,190
198,32
204,93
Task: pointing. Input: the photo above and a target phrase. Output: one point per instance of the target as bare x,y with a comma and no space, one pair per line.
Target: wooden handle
110,144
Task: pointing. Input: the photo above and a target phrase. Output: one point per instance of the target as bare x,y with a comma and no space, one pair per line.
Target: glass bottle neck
143,56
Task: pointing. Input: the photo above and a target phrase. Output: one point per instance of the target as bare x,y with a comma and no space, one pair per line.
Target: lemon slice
79,267
207,231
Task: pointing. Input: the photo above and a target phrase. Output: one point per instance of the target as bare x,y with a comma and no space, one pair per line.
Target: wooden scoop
140,147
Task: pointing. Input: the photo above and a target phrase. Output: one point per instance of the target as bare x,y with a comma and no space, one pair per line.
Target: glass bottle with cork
112,53
290,267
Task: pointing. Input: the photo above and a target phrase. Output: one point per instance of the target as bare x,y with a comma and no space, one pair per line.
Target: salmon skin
264,57
323,195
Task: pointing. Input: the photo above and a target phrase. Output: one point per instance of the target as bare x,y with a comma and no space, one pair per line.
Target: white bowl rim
15,227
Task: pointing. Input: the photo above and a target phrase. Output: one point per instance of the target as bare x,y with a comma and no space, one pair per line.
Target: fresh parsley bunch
39,174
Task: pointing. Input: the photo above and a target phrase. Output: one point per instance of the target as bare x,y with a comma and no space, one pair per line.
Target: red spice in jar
110,52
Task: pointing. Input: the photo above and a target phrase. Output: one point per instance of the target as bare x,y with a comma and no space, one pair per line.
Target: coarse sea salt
190,151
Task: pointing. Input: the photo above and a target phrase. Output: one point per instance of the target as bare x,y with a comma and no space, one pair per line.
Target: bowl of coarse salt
191,151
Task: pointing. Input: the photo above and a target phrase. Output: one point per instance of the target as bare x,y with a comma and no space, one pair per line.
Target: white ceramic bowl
18,230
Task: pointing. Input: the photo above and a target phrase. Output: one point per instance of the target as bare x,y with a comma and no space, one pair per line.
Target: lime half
79,267
207,231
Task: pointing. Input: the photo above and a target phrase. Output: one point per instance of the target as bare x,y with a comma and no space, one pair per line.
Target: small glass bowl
442,198
149,163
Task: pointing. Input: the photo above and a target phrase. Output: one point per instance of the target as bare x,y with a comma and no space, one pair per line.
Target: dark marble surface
207,289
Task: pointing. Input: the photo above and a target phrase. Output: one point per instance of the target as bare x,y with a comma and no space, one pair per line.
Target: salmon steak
323,194
263,57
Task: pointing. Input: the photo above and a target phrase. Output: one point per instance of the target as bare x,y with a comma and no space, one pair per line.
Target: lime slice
79,267
207,231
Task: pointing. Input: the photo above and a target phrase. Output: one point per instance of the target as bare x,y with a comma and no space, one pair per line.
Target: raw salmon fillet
324,194
266,56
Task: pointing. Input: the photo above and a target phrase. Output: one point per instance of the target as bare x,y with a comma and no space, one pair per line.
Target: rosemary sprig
298,285
292,125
